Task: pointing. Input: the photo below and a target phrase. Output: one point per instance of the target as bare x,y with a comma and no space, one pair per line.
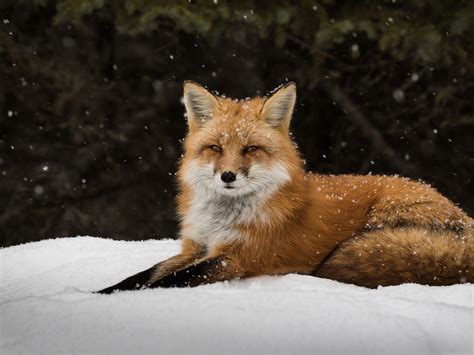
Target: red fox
248,208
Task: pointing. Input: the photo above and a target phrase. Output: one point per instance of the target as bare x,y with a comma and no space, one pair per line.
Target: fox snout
228,177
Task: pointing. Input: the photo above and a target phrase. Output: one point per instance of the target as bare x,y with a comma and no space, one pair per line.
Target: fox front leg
135,282
180,274
190,253
203,272
145,278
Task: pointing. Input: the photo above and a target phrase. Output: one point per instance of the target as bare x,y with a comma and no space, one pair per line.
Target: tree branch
370,131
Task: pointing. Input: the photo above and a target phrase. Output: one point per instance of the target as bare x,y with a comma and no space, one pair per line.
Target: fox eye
216,148
250,149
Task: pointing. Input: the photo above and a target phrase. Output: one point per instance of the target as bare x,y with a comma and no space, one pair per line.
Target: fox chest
213,222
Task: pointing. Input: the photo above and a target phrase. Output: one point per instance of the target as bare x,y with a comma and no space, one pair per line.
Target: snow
46,307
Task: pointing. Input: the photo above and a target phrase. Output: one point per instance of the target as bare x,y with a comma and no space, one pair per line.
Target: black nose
228,176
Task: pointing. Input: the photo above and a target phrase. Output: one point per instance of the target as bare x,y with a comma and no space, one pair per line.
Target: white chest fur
211,221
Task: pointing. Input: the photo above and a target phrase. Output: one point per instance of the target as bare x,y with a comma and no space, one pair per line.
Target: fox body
248,208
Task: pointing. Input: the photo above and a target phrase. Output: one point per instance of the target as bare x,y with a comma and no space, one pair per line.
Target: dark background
91,121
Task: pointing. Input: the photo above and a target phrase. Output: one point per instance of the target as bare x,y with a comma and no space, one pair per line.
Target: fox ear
199,102
278,108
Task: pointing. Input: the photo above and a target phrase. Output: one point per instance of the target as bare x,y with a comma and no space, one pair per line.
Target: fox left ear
278,108
200,103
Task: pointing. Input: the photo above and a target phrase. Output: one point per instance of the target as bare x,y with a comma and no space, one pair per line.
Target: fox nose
228,176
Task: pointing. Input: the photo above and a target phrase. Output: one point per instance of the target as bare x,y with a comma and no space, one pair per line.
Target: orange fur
390,256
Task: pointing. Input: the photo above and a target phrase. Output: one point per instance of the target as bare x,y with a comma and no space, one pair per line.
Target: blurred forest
91,120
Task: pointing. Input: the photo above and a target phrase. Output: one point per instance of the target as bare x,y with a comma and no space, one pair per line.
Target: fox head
238,147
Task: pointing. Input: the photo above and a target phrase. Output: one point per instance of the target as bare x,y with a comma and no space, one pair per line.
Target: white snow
47,307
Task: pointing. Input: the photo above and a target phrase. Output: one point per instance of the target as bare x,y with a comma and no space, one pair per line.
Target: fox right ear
199,102
278,108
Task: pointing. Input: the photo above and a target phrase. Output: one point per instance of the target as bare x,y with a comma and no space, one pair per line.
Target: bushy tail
393,256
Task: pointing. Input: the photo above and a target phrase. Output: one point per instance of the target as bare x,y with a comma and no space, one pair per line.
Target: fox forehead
243,108
236,115
236,122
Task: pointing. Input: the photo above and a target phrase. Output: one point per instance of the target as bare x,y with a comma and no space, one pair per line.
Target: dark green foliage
90,117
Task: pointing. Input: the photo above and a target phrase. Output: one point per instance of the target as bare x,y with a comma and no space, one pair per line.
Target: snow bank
46,307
